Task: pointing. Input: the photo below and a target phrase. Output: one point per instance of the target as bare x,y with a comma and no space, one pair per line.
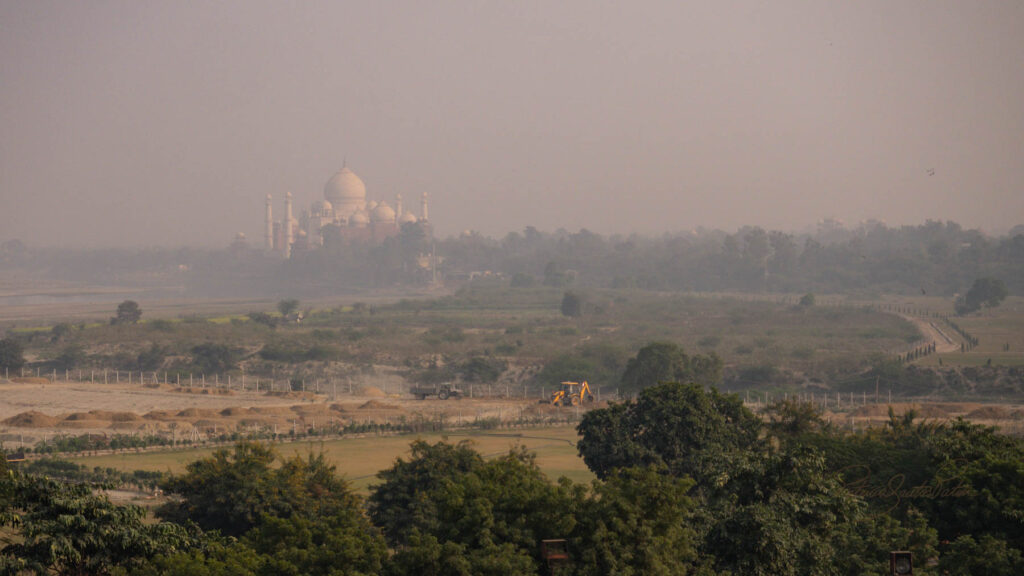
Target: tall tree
682,427
12,355
287,306
128,312
985,292
666,362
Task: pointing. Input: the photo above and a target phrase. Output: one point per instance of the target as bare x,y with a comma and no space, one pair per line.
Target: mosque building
344,215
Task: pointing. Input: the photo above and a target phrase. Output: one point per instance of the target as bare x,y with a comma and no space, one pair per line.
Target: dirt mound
371,391
78,416
311,409
124,417
219,425
375,405
31,419
82,424
197,413
159,415
236,411
273,410
30,380
341,407
111,416
990,413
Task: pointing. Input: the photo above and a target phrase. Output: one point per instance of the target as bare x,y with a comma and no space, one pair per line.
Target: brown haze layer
167,123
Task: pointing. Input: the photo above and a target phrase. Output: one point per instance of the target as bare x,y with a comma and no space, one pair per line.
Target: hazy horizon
167,124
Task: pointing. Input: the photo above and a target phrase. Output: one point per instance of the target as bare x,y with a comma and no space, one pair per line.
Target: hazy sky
167,123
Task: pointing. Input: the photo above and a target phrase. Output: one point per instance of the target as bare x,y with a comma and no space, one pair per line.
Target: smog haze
167,123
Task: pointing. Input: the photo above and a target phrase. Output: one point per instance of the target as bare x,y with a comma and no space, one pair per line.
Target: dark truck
442,391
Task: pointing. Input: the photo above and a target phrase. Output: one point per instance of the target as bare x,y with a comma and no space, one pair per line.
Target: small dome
408,218
359,219
383,213
302,233
371,205
320,207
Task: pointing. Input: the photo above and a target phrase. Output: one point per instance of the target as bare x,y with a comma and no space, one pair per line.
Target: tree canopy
985,292
660,362
12,354
128,312
681,427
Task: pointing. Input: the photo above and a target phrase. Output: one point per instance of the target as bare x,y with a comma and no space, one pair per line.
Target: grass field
1000,333
359,459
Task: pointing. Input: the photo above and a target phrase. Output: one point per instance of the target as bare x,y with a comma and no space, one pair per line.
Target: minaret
423,206
268,240
289,234
398,208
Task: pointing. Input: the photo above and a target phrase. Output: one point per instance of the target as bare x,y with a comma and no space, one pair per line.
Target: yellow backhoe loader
572,394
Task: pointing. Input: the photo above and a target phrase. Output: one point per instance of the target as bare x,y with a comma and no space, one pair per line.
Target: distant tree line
939,258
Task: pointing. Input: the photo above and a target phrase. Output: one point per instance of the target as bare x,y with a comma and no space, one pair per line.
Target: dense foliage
690,482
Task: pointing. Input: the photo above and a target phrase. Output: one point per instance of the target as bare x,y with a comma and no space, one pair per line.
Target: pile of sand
197,413
273,410
78,416
84,424
159,415
236,411
371,391
375,405
31,419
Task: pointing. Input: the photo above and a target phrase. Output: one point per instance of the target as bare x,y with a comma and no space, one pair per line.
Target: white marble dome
346,192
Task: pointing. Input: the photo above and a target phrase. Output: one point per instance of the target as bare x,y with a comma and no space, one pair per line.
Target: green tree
212,358
482,369
66,529
666,362
637,522
338,542
793,418
807,300
232,490
397,504
683,428
469,516
70,357
128,312
287,307
572,305
985,292
776,514
263,318
214,557
967,556
151,358
12,355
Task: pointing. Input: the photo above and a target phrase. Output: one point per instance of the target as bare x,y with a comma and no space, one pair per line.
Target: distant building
344,215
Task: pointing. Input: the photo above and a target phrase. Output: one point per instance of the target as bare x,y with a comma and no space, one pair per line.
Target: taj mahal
344,215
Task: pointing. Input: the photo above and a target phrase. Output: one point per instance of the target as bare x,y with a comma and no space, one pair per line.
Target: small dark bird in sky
923,292
931,171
